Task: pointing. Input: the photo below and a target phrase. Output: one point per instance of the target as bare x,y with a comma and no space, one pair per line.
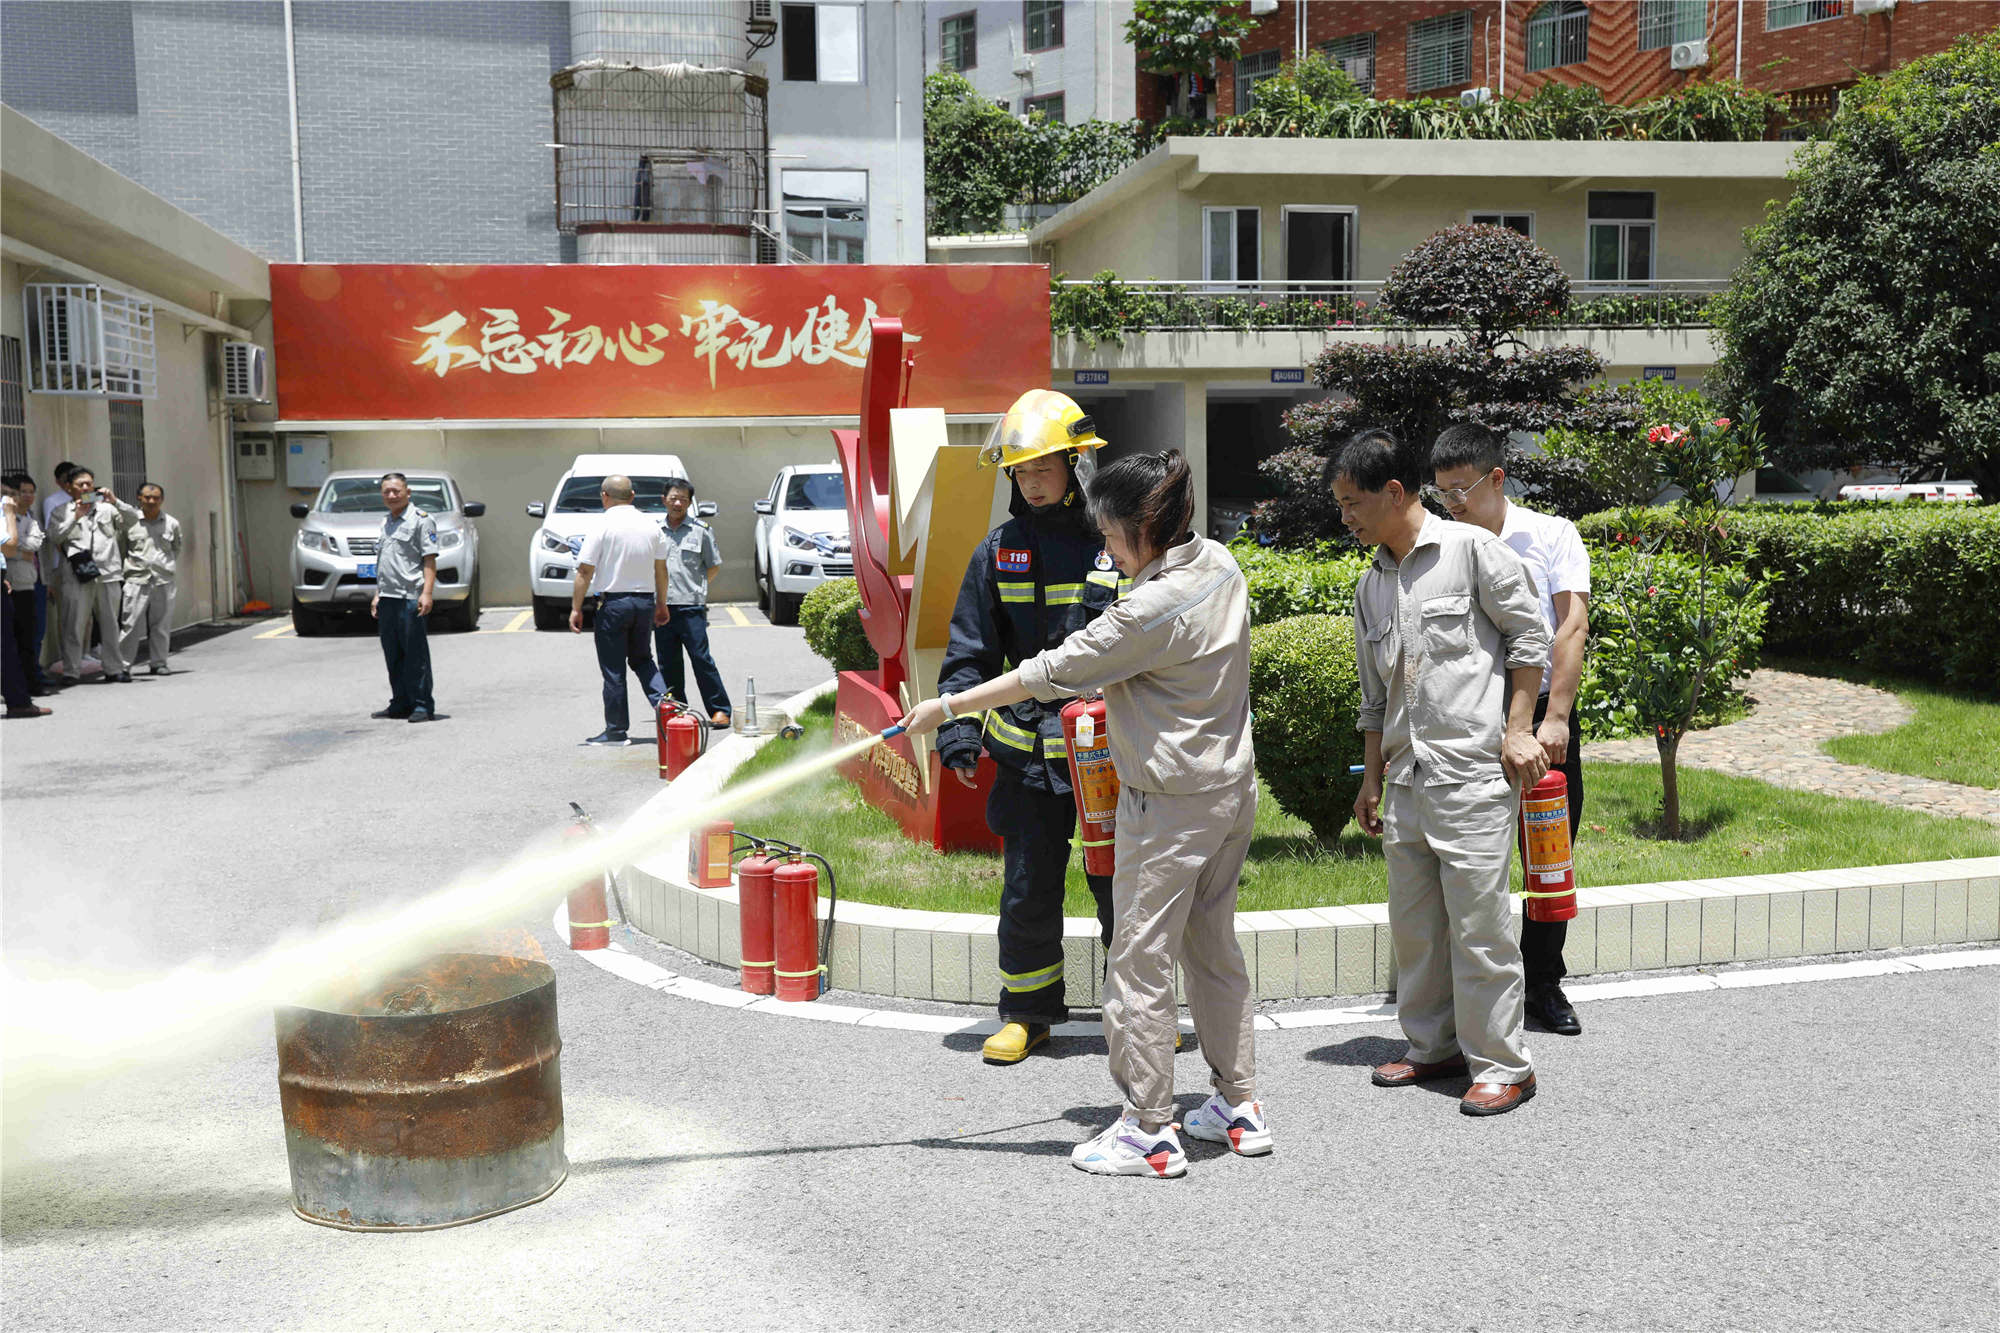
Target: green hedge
831,617
1913,589
1305,691
1316,581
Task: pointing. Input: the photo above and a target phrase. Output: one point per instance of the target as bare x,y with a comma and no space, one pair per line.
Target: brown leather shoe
1401,1073
1496,1098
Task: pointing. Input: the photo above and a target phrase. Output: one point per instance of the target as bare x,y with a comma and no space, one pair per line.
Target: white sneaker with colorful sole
1241,1127
1124,1149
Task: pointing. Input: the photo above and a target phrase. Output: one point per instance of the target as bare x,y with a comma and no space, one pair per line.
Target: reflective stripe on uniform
1108,577
1008,734
1055,747
1016,592
1036,980
1063,594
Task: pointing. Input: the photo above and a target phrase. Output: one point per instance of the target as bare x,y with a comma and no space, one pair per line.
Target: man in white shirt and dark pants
1466,467
625,564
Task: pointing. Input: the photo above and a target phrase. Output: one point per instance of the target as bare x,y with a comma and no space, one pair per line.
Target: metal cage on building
664,163
88,341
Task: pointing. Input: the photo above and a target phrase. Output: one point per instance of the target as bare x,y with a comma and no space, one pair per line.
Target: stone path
1779,744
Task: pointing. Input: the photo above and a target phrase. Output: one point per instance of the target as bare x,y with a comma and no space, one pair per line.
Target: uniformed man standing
152,554
693,557
406,576
85,531
1037,578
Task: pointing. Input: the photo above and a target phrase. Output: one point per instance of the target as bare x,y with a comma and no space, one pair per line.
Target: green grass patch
1740,827
1954,737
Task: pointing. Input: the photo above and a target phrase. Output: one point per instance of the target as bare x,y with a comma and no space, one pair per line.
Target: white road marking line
621,962
514,625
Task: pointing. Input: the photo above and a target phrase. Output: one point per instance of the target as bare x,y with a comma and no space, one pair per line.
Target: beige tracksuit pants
82,603
146,619
1173,901
1459,984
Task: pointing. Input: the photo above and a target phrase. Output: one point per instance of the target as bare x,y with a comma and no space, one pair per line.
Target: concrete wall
421,126
1092,69
852,127
1698,233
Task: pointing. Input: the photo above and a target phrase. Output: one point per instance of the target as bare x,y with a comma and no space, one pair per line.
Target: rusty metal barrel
427,1099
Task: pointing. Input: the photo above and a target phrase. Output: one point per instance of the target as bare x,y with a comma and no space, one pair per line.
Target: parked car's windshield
581,495
815,490
363,495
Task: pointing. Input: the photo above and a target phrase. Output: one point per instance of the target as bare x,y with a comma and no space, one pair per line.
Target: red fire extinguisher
1550,887
682,738
1093,780
795,916
589,923
756,894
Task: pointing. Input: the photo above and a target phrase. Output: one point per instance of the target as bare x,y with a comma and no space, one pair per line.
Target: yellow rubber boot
1011,1044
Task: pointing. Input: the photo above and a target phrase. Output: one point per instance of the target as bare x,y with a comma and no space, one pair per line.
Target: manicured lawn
1744,828
1954,737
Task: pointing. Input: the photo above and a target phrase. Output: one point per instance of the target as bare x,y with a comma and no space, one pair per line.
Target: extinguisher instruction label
1097,783
1547,826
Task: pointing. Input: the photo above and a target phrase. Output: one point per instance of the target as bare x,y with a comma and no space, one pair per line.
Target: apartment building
1629,49
1067,59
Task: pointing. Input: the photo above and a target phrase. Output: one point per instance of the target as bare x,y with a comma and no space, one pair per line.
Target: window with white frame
1521,222
826,216
1051,105
1662,23
1558,34
958,42
1042,24
1250,71
1621,235
1319,242
1797,13
1229,244
1355,54
1439,52
821,42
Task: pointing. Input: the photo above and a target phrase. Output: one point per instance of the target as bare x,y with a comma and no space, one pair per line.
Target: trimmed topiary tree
831,617
1305,691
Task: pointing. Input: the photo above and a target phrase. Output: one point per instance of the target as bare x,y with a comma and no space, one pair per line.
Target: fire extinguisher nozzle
890,733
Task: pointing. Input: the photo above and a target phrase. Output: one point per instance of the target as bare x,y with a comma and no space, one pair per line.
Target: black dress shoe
124,678
1548,1006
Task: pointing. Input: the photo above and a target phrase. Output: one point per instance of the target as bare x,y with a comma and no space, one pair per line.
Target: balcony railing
1105,308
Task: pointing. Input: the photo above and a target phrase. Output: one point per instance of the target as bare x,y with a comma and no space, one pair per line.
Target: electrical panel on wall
307,460
256,456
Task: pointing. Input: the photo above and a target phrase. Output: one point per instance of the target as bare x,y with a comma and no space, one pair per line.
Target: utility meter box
255,458
307,458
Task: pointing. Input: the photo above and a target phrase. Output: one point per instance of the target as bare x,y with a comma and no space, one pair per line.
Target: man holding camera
86,532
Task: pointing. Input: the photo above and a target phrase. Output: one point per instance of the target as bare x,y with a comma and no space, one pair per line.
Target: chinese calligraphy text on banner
382,342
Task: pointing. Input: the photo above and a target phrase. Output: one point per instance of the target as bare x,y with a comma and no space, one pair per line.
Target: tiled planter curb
1315,951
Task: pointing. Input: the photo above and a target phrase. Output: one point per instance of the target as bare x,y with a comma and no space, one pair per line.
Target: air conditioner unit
1475,97
88,341
246,374
1873,6
1689,55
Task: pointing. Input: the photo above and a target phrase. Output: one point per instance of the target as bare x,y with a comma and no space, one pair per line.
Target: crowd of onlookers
90,578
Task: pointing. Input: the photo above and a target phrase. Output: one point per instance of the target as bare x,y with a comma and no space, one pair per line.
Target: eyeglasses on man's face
1454,496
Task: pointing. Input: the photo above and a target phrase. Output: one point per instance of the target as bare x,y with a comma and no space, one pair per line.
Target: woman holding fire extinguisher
1172,658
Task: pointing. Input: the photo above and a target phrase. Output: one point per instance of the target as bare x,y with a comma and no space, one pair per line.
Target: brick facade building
1437,48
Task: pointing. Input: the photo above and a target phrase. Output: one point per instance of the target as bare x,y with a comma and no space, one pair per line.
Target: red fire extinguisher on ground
682,738
795,937
589,916
1550,887
1092,780
756,899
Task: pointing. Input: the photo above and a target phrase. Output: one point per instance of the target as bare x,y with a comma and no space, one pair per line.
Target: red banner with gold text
384,342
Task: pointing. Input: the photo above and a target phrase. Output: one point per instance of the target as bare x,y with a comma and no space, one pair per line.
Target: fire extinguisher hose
832,902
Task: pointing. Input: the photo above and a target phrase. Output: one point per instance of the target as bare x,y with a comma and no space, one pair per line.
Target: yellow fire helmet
1041,421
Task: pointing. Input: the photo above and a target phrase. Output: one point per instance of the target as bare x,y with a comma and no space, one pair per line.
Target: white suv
802,538
575,510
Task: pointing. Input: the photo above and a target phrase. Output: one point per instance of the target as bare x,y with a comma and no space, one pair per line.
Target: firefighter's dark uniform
1035,580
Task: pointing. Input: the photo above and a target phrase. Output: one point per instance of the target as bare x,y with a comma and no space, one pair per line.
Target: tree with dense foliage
968,142
1186,36
1486,283
1865,324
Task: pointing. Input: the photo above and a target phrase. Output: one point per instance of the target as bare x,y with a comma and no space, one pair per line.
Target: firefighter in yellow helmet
1038,577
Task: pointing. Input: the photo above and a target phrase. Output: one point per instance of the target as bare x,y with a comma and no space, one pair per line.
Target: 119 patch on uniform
1014,562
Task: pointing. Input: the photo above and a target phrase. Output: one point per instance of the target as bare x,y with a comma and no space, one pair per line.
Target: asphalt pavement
1796,1156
